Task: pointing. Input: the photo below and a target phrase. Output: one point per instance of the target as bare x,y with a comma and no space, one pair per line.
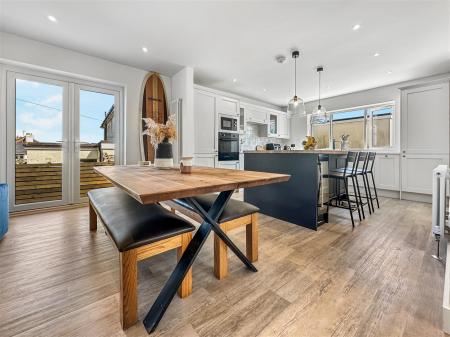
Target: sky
39,109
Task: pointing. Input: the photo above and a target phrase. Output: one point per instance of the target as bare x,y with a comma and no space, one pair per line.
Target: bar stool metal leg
360,199
366,177
356,197
367,194
375,189
348,201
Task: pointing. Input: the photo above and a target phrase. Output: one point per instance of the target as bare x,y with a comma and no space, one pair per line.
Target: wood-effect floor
58,279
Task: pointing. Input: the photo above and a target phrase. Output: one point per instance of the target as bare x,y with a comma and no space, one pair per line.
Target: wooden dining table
148,185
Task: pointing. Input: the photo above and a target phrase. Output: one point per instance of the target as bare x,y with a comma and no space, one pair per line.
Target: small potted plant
345,142
161,137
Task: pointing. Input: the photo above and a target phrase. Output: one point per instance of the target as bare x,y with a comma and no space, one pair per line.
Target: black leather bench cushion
131,224
234,209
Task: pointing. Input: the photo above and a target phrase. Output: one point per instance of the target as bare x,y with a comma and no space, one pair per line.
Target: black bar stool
369,170
348,172
361,171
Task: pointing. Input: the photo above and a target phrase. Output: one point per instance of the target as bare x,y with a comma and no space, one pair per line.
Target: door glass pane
97,138
349,123
381,126
39,131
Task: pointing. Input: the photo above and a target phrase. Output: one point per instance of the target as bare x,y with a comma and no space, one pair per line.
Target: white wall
183,87
40,56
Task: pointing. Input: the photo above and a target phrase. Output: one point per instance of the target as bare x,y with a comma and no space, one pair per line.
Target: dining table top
148,184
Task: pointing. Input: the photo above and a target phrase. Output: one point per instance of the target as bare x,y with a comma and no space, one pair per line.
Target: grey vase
164,154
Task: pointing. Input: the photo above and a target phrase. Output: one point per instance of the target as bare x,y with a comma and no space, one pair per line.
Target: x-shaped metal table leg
209,223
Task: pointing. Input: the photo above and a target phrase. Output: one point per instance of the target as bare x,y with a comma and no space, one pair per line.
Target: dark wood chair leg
92,218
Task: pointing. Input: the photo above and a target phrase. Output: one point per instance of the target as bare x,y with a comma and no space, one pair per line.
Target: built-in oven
228,123
228,146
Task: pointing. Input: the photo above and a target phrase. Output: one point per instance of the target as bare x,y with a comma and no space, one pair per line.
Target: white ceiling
226,40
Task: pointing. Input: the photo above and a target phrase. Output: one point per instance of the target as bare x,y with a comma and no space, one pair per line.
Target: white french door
57,131
96,137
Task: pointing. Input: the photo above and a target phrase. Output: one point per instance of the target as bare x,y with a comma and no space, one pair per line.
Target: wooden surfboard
154,105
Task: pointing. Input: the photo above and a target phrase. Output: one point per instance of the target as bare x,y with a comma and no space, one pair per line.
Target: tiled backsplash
255,135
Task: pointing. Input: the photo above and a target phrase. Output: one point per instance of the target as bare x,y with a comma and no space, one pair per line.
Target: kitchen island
298,200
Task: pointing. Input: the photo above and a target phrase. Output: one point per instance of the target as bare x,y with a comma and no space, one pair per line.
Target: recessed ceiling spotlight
145,49
356,27
52,18
389,72
234,80
264,89
376,54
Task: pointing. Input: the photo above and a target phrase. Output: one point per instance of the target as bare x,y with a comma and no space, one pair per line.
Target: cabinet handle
404,156
385,156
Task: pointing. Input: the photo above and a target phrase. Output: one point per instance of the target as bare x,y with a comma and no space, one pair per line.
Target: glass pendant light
320,114
296,106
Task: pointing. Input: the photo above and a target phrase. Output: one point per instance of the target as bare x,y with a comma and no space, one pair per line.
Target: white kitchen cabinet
241,161
425,119
417,171
227,106
424,134
283,126
233,165
255,115
205,121
387,171
208,160
272,130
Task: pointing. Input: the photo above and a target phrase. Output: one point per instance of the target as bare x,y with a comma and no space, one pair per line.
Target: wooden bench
138,232
236,214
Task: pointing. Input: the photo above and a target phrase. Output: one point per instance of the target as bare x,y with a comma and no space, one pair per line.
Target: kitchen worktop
324,151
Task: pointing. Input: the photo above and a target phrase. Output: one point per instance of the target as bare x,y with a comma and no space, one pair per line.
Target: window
366,127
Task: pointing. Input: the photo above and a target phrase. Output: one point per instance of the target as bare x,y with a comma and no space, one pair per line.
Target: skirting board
405,195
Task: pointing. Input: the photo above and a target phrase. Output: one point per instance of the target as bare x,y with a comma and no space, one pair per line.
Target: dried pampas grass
159,132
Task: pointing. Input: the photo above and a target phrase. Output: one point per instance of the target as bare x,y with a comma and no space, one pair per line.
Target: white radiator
440,192
440,228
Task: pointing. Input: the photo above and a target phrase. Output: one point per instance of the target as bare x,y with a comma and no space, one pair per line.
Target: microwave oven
228,124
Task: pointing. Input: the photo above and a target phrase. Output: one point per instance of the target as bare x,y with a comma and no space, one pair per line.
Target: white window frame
368,125
70,106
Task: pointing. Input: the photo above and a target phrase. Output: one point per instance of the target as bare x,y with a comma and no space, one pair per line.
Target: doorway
58,131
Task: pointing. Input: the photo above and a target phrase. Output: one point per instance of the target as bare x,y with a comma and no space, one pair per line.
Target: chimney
29,137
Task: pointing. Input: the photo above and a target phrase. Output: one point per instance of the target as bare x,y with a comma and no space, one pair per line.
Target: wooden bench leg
220,257
186,286
252,239
128,288
92,218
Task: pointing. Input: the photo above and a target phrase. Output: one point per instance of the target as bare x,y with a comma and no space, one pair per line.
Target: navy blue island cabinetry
299,200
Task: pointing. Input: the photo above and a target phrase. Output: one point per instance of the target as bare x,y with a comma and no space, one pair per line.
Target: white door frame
70,191
11,136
